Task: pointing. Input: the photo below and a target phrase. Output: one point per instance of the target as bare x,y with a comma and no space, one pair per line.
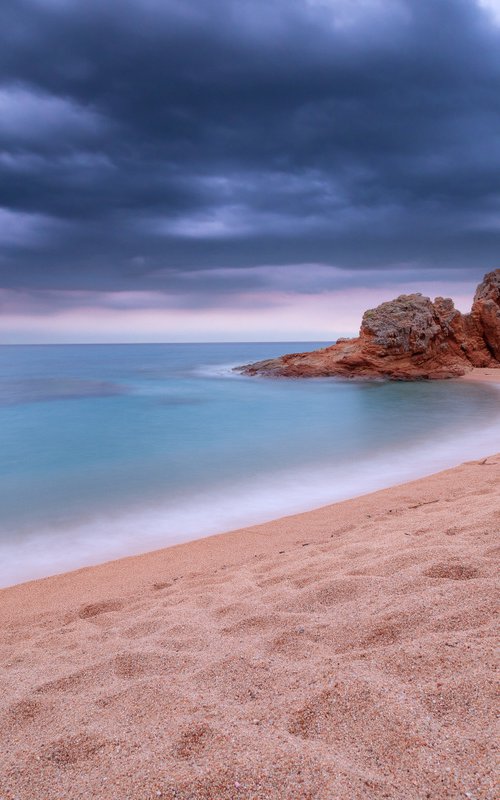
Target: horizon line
124,344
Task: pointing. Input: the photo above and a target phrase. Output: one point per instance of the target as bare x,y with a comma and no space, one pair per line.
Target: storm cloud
203,149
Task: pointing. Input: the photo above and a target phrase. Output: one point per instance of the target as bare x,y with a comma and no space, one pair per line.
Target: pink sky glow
276,315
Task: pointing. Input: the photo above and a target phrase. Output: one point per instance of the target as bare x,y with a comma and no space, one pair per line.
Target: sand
482,374
338,654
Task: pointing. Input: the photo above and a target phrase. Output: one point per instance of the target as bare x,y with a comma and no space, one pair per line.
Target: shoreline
235,666
231,540
482,375
406,467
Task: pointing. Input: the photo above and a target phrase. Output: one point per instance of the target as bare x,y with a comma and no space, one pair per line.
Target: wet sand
339,654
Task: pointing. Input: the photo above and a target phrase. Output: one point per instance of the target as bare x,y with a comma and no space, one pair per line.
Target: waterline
233,506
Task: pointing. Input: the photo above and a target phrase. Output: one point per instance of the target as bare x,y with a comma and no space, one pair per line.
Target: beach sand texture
342,653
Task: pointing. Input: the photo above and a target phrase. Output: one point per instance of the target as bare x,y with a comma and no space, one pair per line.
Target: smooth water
107,450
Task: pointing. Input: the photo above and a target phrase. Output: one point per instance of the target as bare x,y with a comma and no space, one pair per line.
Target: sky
210,170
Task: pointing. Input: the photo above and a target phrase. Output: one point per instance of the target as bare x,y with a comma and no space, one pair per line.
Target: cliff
409,338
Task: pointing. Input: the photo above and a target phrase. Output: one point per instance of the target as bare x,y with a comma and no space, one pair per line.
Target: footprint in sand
326,594
252,625
193,741
70,683
134,665
24,711
95,609
142,629
70,750
453,572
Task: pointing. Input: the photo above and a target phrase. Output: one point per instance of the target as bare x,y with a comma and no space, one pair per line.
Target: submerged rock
409,338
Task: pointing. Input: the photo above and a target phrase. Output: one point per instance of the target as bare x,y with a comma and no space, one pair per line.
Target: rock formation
409,338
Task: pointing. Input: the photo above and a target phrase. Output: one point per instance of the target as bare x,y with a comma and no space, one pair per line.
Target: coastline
259,499
136,571
363,626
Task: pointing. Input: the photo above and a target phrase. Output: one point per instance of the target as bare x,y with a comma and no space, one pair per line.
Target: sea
111,450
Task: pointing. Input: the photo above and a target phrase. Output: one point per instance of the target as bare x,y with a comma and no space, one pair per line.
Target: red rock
486,312
409,338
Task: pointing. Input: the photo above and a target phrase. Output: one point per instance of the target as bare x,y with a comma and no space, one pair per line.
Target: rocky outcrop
486,312
409,338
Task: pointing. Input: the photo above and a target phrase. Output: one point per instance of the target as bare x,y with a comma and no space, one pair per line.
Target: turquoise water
107,450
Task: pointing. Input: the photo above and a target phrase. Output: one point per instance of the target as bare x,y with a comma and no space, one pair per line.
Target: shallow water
107,450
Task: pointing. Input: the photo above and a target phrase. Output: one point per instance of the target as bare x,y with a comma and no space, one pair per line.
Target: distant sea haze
111,450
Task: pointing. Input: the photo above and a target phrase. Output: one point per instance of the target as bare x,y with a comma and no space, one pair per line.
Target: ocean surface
108,450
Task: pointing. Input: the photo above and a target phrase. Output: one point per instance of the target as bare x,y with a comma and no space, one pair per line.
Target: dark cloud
143,139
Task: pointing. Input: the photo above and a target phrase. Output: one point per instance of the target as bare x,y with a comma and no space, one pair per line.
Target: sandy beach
249,400
342,653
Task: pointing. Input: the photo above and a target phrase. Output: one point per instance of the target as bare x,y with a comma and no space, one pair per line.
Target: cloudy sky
186,170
